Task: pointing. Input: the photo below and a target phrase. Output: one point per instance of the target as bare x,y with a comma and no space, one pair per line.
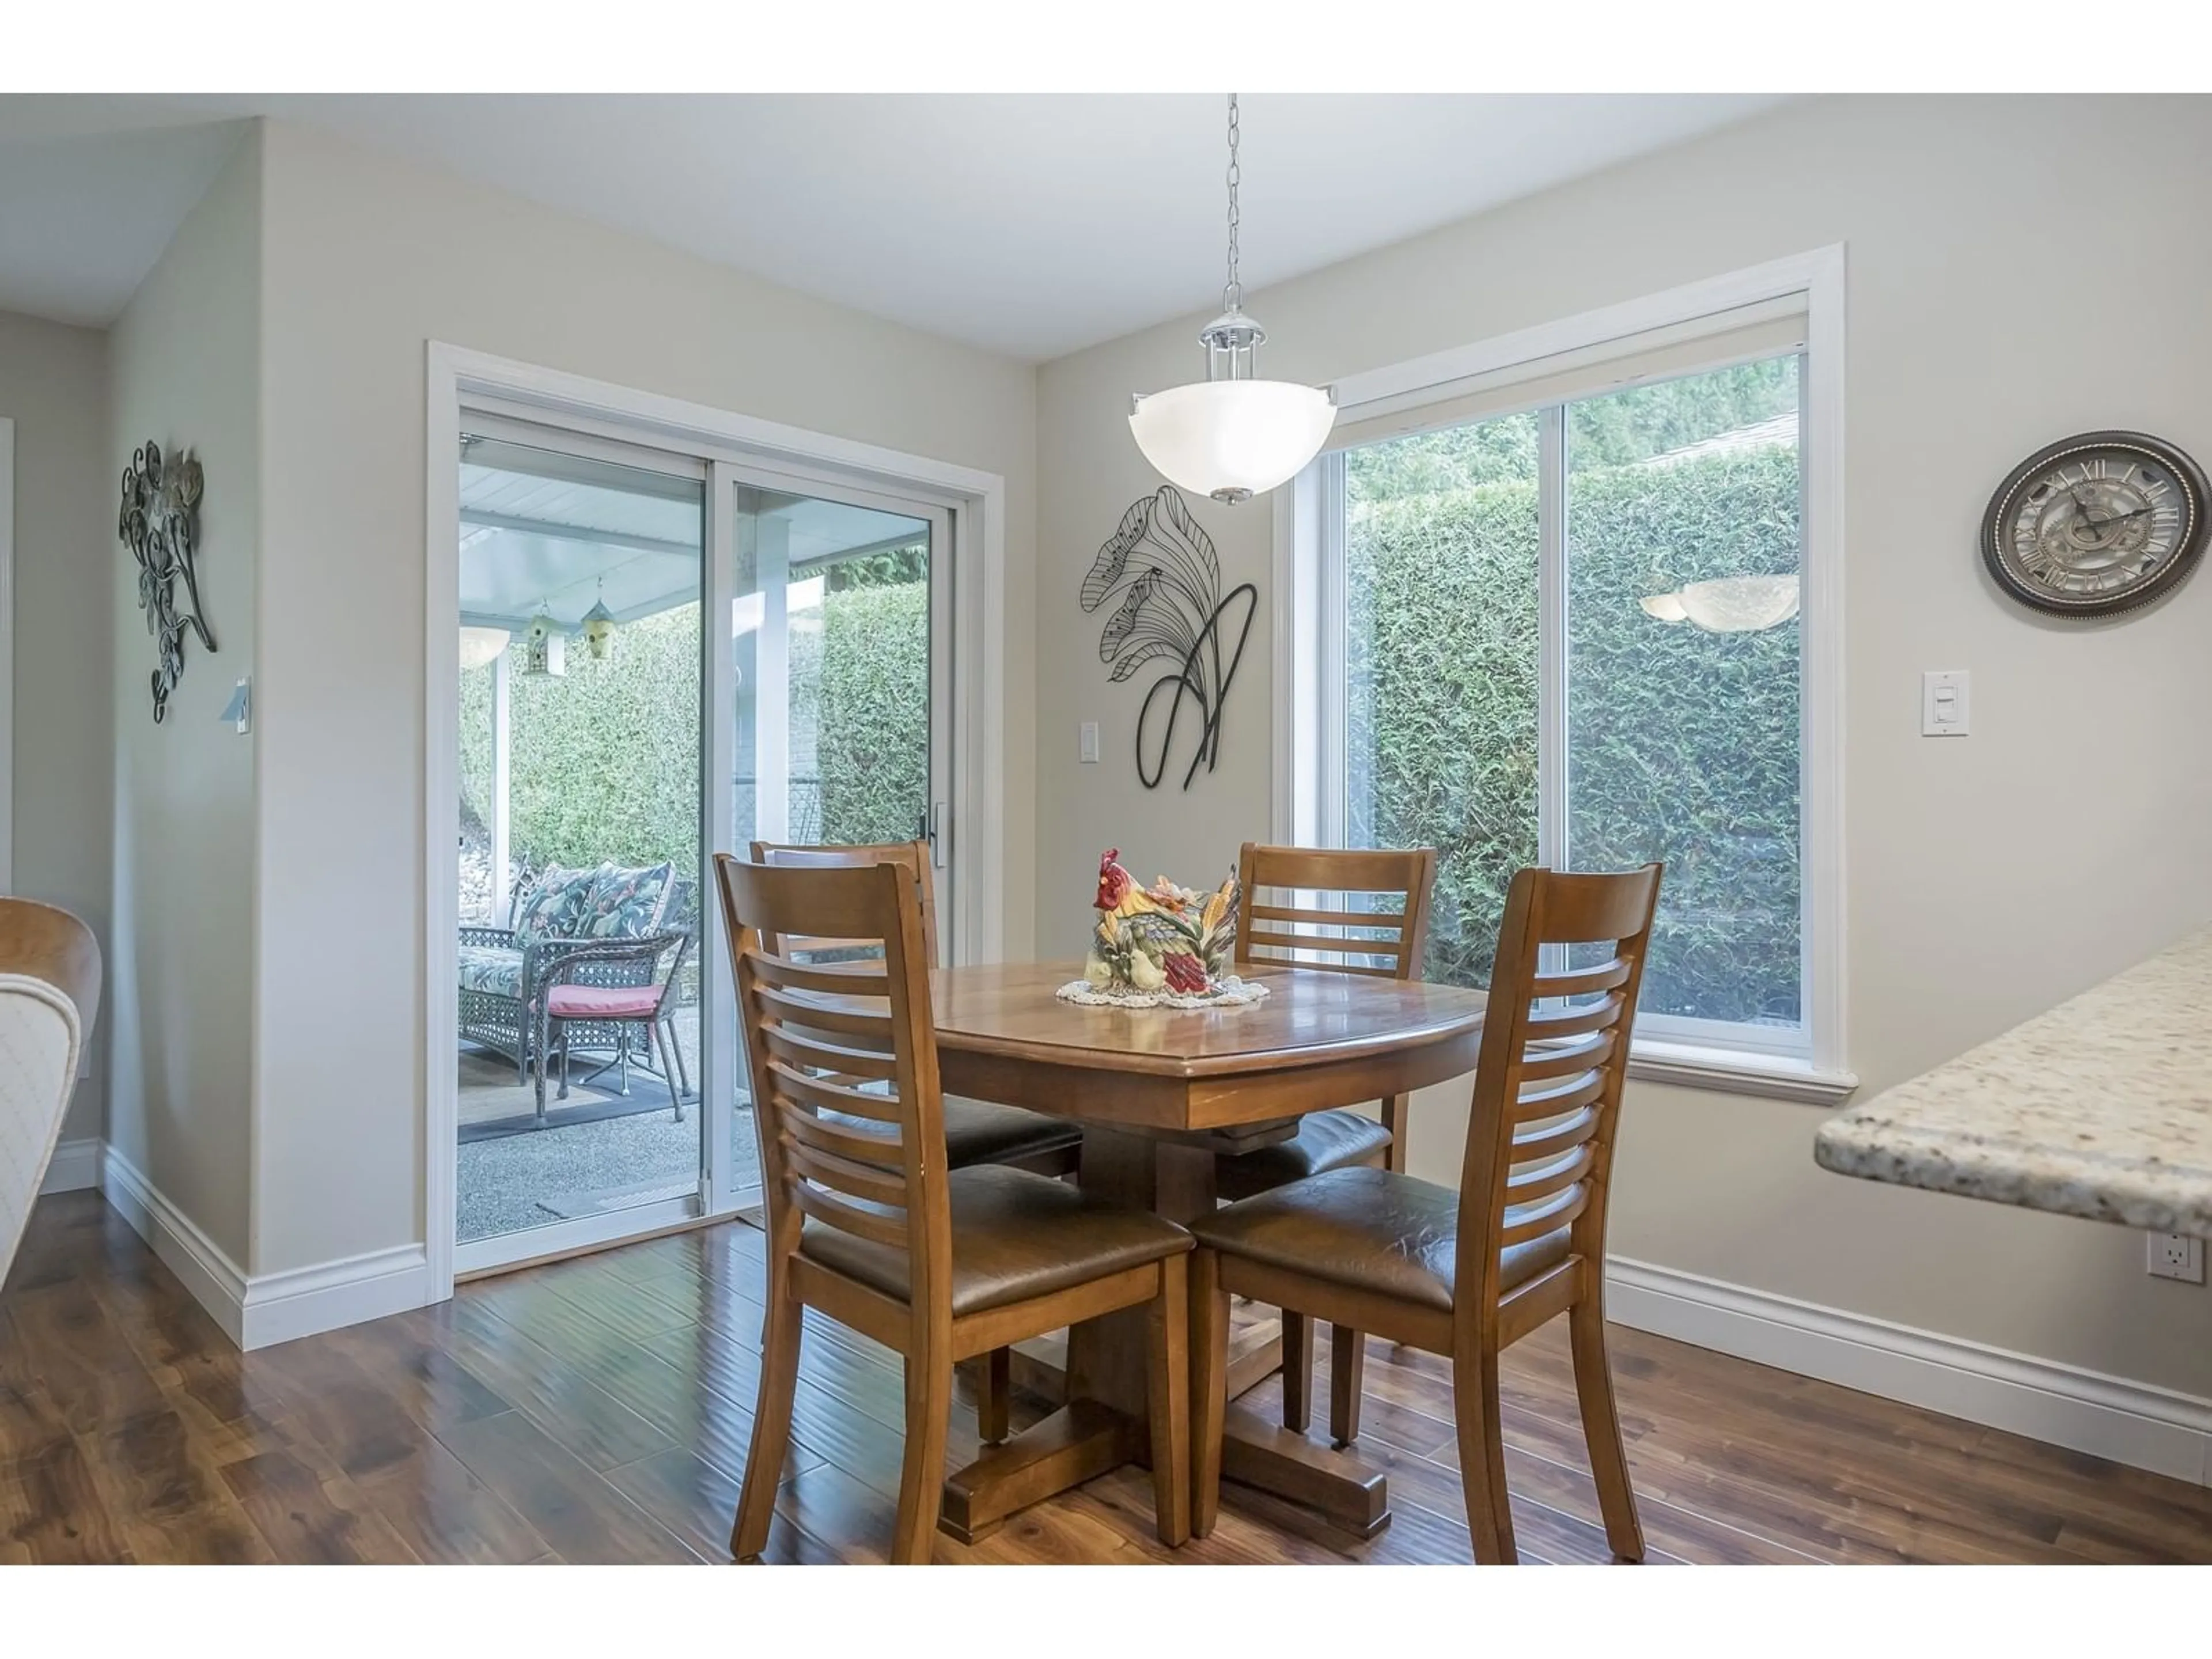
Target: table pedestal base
1098,1375
1255,1353
1342,1485
1076,1443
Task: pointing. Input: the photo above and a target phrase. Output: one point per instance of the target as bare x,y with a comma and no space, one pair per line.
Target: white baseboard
307,1300
272,1308
2135,1423
74,1167
213,1279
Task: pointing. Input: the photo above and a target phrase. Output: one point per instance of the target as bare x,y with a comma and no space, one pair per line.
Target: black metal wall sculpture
1172,607
159,524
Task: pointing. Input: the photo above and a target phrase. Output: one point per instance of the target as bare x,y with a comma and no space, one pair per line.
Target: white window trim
1300,806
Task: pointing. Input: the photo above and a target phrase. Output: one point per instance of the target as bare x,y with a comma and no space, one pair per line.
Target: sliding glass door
840,676
662,656
582,583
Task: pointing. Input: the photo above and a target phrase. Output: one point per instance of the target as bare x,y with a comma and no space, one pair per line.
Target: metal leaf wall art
159,524
1171,609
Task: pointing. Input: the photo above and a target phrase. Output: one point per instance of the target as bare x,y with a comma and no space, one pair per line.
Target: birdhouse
545,650
599,632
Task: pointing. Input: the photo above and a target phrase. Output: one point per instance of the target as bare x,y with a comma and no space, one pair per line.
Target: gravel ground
584,1169
539,1177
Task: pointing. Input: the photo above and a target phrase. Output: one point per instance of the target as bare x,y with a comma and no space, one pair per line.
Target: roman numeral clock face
2098,524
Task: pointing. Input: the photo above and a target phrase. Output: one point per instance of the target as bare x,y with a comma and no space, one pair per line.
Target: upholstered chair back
49,992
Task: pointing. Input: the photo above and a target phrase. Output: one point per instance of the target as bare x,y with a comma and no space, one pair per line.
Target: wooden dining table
1161,1093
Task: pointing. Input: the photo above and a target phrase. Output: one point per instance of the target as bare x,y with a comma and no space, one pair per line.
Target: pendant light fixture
1727,605
480,645
1232,435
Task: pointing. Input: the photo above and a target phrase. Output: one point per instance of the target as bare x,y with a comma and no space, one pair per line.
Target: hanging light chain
1232,295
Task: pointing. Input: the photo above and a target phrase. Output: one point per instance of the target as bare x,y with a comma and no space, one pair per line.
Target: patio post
501,784
772,667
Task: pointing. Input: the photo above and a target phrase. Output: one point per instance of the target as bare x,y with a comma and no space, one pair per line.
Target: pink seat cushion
603,1001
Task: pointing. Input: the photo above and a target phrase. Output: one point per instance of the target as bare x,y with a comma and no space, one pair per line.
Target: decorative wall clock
159,524
2096,525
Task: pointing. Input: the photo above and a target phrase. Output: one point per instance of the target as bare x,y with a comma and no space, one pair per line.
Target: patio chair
501,969
615,986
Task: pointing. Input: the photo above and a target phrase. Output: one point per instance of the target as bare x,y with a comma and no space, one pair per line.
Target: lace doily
1229,993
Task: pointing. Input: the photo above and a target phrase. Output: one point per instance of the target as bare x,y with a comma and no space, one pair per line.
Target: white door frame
977,501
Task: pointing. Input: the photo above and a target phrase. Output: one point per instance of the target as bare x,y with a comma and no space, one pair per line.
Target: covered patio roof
542,529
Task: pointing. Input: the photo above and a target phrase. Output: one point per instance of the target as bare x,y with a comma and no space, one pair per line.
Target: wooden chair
874,1231
975,1131
1293,927
1466,1274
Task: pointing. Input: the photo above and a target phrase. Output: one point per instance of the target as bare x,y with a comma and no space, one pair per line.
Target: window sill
1733,1072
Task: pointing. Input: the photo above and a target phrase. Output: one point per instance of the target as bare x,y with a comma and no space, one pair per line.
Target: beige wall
53,385
183,365
368,258
1988,878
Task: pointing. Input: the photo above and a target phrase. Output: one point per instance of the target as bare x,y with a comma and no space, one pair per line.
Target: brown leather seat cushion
978,1132
1325,1141
1370,1230
1015,1235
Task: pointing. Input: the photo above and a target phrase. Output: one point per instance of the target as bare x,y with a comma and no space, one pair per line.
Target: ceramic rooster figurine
1159,938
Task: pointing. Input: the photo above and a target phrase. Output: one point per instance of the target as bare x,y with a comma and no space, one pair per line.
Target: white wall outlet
2174,1256
1087,743
1943,695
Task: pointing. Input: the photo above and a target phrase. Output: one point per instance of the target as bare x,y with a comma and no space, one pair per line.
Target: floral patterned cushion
555,904
492,968
626,903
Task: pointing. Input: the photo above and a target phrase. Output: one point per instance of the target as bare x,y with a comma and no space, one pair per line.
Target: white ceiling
84,215
1025,225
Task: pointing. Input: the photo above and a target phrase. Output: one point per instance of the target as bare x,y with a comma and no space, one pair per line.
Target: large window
1561,619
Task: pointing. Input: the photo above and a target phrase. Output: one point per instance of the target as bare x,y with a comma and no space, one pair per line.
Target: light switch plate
1087,743
237,712
1944,696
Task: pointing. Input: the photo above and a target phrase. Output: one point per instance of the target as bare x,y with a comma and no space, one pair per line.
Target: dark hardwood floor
598,1410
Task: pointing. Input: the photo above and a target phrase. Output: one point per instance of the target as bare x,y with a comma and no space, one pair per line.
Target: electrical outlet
2174,1256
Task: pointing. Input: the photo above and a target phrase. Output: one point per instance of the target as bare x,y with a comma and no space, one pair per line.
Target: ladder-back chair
1466,1274
1352,911
872,1228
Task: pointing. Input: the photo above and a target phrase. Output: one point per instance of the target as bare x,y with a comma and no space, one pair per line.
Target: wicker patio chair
615,987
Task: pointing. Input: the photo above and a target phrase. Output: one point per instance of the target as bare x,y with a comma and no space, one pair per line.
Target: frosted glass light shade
482,645
1232,439
1740,604
1729,605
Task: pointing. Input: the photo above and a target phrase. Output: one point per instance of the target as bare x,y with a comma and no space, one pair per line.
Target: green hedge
873,748
604,760
1683,744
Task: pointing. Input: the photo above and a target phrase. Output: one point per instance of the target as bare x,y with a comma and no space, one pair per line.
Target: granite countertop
2101,1107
